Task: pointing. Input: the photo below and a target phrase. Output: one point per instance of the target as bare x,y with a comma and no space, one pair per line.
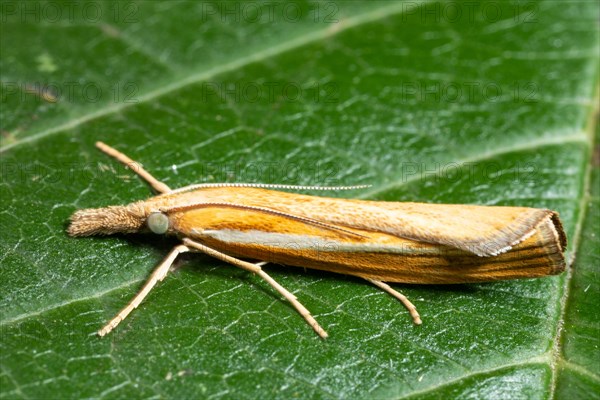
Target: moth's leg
158,274
135,167
410,306
256,268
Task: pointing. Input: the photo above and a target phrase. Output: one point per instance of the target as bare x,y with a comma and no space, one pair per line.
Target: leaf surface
493,109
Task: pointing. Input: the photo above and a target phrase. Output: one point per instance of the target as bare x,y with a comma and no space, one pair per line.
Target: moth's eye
158,222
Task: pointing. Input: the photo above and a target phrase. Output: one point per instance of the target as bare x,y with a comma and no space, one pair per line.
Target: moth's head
107,221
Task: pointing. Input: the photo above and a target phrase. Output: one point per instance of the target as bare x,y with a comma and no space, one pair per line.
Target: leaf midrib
557,359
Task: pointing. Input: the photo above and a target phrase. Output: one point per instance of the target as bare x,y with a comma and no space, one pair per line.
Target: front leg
158,275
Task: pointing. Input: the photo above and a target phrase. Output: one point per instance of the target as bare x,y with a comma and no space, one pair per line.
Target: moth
249,225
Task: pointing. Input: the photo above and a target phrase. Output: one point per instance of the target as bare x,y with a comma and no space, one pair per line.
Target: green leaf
578,361
479,103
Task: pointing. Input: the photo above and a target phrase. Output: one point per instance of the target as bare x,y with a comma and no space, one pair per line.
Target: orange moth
378,241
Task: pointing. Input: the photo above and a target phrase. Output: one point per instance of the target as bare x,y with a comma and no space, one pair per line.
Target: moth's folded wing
482,230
